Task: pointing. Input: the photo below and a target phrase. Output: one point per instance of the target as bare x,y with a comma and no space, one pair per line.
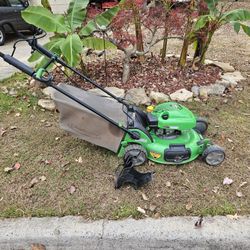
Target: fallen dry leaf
152,207
141,210
16,154
144,197
17,115
33,182
42,178
230,140
3,131
72,189
168,184
17,166
189,206
243,184
239,194
8,169
38,247
79,160
227,181
232,217
157,215
215,190
13,127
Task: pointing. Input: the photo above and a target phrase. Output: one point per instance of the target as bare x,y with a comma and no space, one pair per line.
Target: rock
36,84
47,104
158,97
233,78
223,82
116,91
48,91
226,67
195,90
137,96
13,92
215,89
181,95
203,92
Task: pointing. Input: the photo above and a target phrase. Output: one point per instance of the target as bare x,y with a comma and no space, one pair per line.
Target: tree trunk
203,54
138,32
165,43
184,51
126,68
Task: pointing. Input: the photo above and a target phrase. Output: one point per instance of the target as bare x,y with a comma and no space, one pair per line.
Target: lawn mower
168,133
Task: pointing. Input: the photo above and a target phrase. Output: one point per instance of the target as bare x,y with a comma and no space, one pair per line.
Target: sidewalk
23,52
166,233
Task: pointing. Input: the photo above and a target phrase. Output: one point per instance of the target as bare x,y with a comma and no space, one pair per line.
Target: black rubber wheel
201,125
213,155
137,152
2,36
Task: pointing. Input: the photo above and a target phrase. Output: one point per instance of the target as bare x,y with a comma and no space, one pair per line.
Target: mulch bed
152,74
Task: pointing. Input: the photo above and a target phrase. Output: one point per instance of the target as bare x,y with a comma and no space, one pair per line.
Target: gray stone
233,78
224,82
195,90
47,104
137,96
48,91
203,92
36,84
158,97
226,67
13,92
97,91
116,91
181,95
215,89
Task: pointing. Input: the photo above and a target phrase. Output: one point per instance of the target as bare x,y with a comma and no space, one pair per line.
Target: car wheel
2,36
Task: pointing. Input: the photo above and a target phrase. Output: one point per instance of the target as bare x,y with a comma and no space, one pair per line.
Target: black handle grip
18,64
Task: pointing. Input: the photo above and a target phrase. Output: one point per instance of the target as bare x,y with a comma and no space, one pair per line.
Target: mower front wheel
137,153
201,125
213,155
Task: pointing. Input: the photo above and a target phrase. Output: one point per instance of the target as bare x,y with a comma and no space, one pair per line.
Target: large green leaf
76,13
235,15
44,19
245,28
201,22
97,43
53,46
212,4
101,20
71,48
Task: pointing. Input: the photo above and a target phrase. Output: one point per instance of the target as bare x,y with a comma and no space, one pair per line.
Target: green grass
224,209
125,211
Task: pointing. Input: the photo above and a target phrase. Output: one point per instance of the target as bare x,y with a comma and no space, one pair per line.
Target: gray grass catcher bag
86,125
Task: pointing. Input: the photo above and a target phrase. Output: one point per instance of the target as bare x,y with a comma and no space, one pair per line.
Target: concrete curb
166,233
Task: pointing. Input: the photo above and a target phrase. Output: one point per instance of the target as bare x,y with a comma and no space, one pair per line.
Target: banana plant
215,19
70,35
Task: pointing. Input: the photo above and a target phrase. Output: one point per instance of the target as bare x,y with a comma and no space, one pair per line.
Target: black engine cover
177,153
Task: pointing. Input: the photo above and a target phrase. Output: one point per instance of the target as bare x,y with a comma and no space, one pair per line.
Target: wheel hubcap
138,157
215,158
1,36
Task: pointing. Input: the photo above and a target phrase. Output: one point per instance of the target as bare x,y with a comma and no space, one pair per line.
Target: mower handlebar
18,64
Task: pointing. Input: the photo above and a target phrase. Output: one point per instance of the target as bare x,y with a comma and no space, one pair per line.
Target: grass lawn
34,139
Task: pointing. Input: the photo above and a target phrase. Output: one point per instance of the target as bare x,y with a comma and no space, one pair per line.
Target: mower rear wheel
213,155
2,36
201,125
137,152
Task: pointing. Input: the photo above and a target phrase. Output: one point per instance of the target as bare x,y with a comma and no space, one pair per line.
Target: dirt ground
85,186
